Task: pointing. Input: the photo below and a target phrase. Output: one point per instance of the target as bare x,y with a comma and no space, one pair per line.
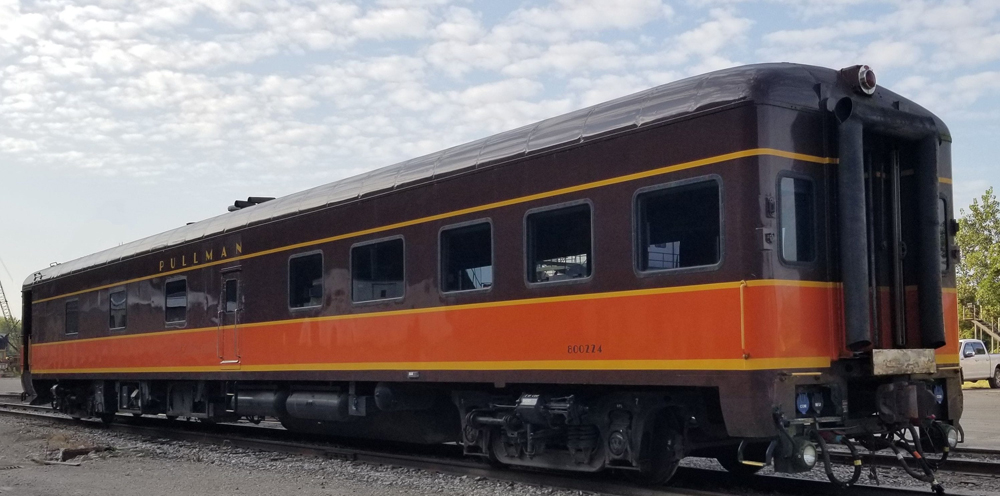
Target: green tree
978,239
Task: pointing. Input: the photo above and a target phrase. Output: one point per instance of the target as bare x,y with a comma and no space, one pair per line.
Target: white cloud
947,96
886,54
17,145
700,47
569,58
392,23
937,36
610,86
272,97
588,15
821,35
815,8
708,38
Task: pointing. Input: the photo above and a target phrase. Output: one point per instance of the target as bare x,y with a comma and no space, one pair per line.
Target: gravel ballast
159,467
133,464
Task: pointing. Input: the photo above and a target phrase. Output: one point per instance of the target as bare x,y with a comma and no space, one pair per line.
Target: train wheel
995,380
658,462
107,418
492,446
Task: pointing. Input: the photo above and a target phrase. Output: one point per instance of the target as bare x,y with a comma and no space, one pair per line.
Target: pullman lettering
199,257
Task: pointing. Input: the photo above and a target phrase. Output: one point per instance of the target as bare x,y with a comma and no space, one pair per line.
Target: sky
121,119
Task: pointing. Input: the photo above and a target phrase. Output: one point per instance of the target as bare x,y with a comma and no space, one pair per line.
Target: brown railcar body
743,128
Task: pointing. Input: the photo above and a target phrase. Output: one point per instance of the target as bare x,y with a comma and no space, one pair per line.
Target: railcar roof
783,84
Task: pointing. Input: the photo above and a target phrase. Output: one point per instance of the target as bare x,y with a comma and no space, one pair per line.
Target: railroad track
956,463
448,459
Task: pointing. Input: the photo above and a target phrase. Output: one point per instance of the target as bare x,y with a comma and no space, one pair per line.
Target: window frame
288,279
440,265
65,320
120,289
176,323
815,220
350,269
524,243
636,242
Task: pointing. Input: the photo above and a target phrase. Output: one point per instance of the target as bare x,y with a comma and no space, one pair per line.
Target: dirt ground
153,467
132,472
981,418
10,385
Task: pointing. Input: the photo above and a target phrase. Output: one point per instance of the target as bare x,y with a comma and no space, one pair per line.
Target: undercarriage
644,432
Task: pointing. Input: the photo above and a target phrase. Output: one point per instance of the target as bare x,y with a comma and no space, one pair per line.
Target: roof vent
251,201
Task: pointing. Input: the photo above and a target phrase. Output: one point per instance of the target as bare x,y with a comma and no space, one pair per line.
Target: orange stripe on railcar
697,329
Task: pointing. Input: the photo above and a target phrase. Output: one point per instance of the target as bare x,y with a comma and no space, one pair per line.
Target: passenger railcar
744,265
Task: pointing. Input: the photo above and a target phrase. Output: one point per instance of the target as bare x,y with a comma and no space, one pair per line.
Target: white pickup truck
978,364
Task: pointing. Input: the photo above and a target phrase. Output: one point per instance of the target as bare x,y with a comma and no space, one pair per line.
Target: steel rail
447,459
952,464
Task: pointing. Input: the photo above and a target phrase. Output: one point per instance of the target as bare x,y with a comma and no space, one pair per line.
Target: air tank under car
537,296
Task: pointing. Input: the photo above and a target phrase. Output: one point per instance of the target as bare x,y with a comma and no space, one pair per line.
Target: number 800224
573,349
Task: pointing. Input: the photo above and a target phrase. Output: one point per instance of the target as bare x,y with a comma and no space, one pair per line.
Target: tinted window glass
980,349
232,295
797,220
943,232
72,317
679,227
176,300
377,271
559,244
968,348
467,258
118,305
305,281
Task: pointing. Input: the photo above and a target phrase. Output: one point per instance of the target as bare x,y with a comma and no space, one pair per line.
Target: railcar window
467,258
679,226
232,295
797,220
305,281
175,293
559,245
377,270
72,317
943,233
118,304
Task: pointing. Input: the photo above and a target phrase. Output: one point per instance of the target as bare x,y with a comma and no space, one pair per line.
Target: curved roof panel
787,84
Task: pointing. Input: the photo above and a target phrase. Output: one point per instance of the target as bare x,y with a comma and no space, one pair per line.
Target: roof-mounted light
861,78
866,80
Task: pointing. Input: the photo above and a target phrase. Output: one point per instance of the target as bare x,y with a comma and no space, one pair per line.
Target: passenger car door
230,314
